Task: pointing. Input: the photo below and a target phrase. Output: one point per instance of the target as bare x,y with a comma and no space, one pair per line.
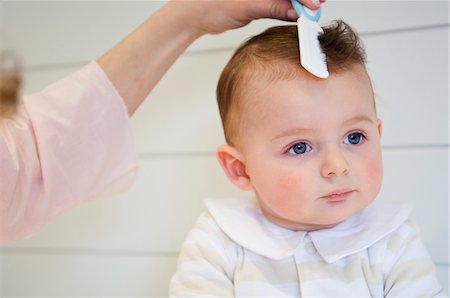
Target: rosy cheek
374,173
287,183
288,188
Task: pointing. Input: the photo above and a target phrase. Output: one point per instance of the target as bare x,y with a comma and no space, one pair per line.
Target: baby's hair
10,82
274,55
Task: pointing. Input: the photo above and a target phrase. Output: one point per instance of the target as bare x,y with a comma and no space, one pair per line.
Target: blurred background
127,245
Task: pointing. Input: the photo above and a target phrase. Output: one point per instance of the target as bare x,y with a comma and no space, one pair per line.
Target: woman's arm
72,141
138,62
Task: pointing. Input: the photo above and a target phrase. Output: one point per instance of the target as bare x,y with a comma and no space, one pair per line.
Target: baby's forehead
264,94
256,80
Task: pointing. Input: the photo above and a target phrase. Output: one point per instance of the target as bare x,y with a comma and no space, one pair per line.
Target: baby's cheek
289,189
374,174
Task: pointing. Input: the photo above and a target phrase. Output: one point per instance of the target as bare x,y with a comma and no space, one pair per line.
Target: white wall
127,245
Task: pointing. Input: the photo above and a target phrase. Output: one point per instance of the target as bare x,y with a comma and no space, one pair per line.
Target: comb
311,56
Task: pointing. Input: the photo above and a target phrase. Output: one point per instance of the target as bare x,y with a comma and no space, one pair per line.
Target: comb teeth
311,56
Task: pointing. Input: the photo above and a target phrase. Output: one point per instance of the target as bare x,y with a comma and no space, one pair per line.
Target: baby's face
312,148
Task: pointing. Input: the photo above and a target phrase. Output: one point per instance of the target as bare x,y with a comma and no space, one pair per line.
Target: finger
281,9
312,4
274,9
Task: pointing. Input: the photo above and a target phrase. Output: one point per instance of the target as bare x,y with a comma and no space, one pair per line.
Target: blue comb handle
300,9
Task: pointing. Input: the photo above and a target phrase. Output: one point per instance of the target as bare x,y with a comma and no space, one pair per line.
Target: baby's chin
296,225
315,225
326,216
335,213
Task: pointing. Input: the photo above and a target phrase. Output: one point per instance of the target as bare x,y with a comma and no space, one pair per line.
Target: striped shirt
234,251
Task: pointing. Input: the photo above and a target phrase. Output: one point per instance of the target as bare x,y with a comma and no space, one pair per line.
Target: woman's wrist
137,63
182,19
185,17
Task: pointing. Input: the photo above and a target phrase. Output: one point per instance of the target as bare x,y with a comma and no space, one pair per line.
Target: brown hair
10,82
274,55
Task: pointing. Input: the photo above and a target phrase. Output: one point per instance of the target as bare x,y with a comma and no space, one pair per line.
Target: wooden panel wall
127,245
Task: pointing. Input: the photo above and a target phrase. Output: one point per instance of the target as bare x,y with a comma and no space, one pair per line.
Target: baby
310,151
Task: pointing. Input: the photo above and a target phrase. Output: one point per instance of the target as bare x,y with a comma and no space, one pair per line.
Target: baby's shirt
233,250
68,143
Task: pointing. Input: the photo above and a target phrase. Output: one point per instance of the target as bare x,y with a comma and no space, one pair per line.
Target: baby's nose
334,164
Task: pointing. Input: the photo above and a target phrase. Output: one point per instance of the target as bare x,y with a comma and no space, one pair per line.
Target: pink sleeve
68,143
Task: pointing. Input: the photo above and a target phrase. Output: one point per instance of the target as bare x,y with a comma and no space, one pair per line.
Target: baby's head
308,147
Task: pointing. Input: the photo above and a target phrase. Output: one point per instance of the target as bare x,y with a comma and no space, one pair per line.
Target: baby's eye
299,148
354,138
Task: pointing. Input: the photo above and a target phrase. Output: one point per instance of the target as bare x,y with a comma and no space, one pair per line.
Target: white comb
311,56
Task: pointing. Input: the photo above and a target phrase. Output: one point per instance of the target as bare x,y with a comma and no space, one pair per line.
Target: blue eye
354,138
299,148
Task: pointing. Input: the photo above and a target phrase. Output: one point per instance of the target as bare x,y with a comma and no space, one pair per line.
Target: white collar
242,221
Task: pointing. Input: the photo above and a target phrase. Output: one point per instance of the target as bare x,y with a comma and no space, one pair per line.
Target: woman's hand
217,16
138,62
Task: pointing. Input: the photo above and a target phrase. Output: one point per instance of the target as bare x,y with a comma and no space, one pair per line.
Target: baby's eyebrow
293,131
359,118
300,130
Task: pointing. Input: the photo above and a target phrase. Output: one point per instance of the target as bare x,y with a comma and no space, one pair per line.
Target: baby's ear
233,165
379,127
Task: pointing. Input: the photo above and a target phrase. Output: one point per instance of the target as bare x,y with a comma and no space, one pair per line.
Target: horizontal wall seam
361,34
416,146
202,154
194,52
405,30
104,252
86,252
199,154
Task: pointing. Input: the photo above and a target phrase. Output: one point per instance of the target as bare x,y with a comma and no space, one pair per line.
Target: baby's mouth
337,195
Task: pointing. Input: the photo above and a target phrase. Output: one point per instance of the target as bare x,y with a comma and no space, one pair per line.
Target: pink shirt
67,144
